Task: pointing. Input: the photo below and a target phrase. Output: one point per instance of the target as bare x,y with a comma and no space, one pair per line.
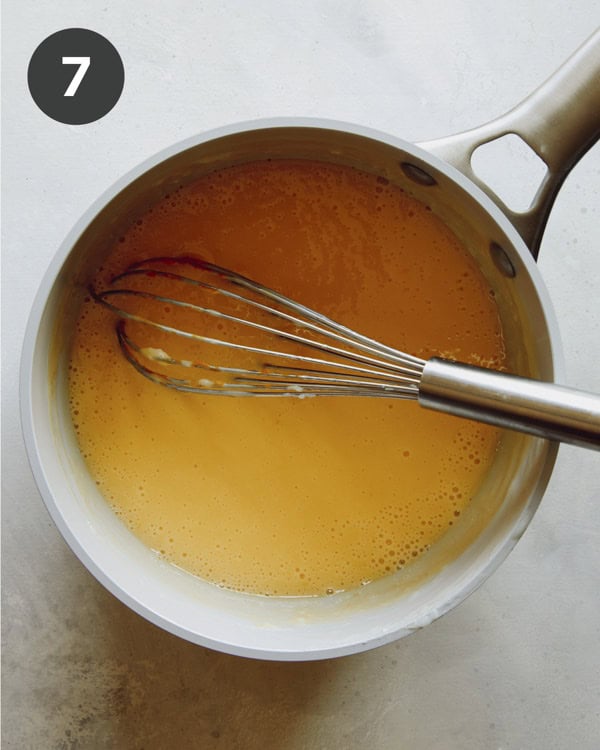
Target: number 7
84,64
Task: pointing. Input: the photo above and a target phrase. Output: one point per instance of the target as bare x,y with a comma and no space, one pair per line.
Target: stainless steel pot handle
543,409
560,121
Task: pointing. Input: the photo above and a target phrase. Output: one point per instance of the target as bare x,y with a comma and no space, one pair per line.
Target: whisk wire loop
348,369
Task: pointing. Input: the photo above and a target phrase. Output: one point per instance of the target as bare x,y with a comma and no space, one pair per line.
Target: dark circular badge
76,76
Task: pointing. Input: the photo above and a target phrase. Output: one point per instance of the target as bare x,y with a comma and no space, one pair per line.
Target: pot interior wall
290,628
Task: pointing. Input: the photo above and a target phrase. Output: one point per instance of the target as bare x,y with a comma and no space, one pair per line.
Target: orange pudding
285,496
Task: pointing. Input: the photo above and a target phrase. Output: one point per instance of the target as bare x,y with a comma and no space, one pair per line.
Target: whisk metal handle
543,409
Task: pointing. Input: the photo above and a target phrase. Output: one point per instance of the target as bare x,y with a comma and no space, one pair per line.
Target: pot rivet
502,261
417,174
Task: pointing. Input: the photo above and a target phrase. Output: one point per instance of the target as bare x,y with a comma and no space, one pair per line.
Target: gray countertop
517,666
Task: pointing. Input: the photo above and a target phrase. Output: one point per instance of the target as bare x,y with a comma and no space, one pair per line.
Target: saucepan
559,122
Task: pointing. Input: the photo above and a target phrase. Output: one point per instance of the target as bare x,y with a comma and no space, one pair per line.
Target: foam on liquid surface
288,496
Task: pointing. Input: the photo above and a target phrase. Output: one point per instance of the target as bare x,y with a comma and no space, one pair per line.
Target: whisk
269,345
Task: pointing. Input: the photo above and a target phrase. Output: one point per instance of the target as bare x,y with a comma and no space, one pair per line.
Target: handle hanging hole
511,169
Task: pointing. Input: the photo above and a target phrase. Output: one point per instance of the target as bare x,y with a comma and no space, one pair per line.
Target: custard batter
284,496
